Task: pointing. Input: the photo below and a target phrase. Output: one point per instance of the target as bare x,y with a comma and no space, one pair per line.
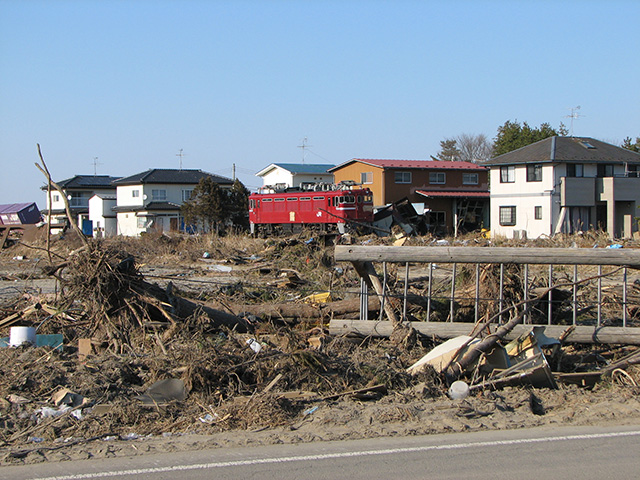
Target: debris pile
247,348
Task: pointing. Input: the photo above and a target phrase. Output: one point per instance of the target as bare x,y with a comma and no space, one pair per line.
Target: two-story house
283,175
151,200
78,190
565,184
454,194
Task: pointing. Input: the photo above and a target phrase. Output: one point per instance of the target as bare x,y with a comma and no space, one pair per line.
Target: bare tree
474,148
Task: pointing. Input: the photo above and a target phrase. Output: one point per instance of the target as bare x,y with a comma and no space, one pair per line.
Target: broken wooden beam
446,330
533,256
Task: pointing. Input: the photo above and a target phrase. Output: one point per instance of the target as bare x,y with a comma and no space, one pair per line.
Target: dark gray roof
567,150
171,176
153,205
86,182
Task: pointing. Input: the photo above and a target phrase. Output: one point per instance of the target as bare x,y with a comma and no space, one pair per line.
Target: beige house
565,184
78,190
150,201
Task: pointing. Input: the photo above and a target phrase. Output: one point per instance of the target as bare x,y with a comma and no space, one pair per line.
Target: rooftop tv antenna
303,146
95,165
180,154
574,116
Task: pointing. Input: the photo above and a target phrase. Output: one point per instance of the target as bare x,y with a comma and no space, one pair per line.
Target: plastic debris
458,390
254,345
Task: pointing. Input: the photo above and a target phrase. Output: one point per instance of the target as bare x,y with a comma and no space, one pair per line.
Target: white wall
126,198
128,224
280,175
525,196
102,216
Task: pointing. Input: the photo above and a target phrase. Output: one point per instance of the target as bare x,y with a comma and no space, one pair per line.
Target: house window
508,174
142,222
403,177
79,199
135,193
605,170
632,170
575,170
186,194
534,173
508,216
159,194
470,179
437,178
538,213
436,219
366,177
56,198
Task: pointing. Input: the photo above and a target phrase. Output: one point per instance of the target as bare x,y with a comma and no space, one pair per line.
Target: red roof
430,164
452,194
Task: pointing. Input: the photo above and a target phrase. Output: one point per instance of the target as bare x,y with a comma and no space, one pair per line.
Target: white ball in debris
458,390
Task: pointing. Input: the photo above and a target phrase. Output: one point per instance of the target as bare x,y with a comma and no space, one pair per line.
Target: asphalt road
584,453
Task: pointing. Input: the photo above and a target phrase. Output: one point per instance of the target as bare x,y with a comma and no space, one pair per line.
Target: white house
282,175
101,215
151,200
564,184
78,189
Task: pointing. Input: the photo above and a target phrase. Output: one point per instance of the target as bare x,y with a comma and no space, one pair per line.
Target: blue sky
243,82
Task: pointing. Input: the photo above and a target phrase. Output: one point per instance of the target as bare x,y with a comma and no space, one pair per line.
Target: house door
158,224
173,224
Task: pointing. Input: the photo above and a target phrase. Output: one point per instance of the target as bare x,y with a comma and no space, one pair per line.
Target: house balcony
578,191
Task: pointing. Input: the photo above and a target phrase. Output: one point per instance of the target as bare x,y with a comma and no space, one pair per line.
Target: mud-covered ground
302,385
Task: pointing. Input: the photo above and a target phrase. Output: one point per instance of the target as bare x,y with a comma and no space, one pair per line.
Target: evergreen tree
238,205
629,145
207,206
448,150
512,136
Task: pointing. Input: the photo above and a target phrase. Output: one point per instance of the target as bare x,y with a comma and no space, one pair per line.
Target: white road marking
329,456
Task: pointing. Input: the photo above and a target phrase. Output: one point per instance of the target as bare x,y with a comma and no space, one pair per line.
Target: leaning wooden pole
67,208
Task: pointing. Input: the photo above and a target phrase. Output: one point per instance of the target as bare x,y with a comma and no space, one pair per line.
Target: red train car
325,210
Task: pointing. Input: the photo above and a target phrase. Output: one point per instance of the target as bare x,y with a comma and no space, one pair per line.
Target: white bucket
458,390
20,335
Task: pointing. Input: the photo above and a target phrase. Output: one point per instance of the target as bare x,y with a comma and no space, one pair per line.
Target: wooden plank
534,256
446,330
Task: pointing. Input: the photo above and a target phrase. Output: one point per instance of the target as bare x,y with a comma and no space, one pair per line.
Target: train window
368,199
292,199
278,199
350,199
341,199
319,198
267,199
359,198
251,203
305,199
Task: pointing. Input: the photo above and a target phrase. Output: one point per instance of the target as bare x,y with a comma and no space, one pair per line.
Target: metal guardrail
564,261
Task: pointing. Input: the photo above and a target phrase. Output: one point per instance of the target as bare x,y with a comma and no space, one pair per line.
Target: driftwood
183,308
302,311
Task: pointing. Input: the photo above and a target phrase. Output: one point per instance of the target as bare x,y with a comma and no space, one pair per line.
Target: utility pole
233,172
